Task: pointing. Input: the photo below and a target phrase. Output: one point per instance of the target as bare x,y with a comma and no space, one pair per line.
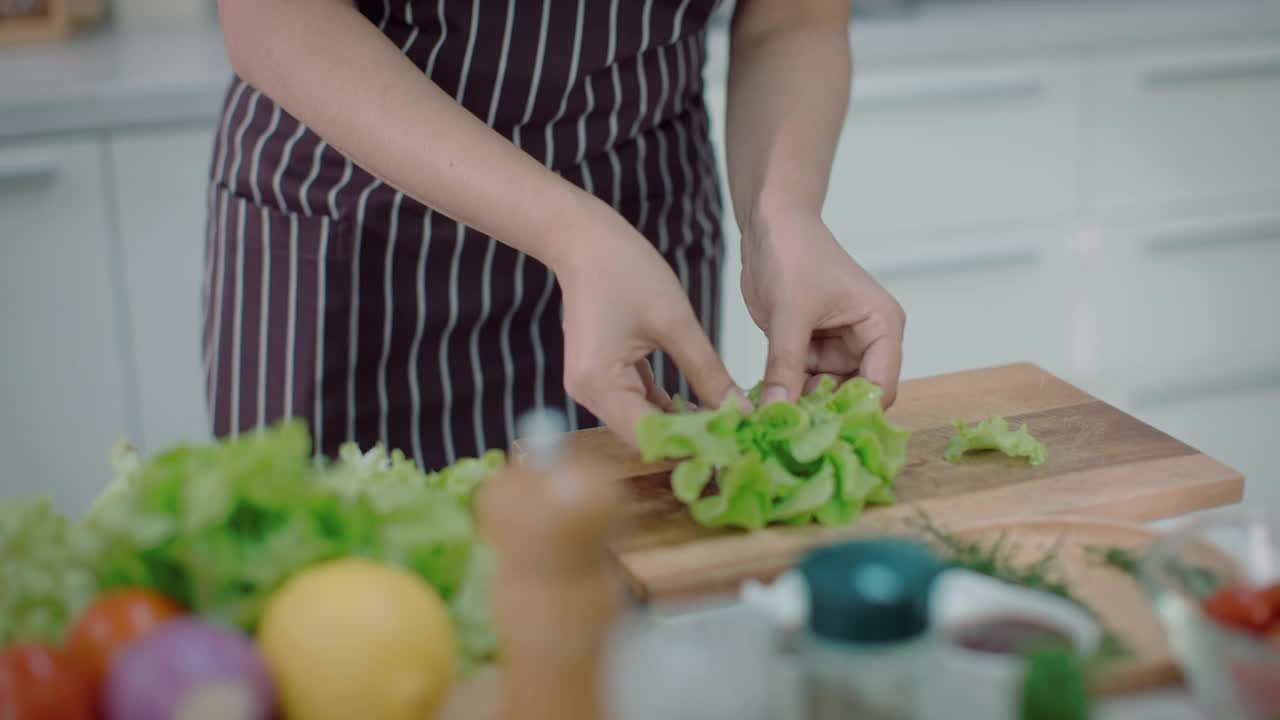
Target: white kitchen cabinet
938,149
1189,339
65,368
1232,419
982,300
1169,126
1191,298
161,181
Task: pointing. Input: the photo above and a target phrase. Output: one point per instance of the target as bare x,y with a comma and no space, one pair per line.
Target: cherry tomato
1271,595
113,621
38,682
1241,607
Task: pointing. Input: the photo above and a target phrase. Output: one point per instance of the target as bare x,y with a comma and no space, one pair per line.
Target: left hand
822,312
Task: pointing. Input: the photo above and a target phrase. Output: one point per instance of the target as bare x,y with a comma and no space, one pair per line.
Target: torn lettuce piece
994,433
710,435
745,510
780,421
815,441
822,458
815,493
689,478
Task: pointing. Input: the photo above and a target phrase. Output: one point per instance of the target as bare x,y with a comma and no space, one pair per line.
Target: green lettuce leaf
42,585
994,433
820,459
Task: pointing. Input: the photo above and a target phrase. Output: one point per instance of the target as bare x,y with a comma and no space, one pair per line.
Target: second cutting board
1103,464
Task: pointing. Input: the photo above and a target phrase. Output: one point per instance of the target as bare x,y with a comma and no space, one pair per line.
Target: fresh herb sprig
1197,579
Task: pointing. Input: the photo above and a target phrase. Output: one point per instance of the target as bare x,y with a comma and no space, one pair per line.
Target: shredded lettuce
42,585
822,458
218,527
994,433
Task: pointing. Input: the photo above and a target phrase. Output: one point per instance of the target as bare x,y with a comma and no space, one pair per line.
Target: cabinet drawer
924,150
1172,126
63,390
1182,299
1234,421
981,302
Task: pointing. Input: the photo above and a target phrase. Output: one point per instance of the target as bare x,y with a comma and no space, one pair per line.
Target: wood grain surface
1103,464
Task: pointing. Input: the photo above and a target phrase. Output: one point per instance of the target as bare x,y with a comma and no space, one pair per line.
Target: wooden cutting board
1103,464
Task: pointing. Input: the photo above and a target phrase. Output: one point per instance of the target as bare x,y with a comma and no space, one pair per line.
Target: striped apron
331,297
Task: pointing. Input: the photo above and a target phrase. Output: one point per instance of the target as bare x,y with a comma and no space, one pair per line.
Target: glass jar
867,636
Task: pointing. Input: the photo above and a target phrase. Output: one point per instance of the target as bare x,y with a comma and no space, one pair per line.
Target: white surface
1165,126
64,380
114,77
161,186
899,154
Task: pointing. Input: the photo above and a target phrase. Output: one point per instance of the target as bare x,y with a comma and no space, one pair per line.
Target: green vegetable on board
822,458
994,433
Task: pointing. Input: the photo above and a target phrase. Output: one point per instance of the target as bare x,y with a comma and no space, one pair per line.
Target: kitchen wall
1094,187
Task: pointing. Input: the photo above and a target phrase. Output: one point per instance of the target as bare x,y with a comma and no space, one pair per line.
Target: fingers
654,392
786,368
696,357
621,409
882,364
620,398
835,354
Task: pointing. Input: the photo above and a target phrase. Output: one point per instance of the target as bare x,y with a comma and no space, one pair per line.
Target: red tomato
38,682
1242,607
1271,595
113,621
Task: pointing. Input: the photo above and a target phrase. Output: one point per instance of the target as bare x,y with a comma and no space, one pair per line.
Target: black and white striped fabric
331,297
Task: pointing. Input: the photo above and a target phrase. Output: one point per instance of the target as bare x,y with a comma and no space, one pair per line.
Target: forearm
327,65
789,78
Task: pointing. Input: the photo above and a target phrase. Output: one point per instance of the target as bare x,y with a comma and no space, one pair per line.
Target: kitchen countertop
112,77
108,78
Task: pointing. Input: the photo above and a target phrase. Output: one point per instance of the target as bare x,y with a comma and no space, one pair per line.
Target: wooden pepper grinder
556,598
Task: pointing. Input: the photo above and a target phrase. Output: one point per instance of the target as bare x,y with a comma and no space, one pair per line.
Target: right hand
621,303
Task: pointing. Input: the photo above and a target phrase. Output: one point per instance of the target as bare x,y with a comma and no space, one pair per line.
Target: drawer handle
27,170
939,92
1182,241
1223,71
949,259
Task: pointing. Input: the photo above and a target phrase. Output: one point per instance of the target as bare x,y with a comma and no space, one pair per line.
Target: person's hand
822,313
621,303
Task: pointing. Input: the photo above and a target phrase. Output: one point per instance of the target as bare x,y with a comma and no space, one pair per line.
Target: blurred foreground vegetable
353,638
112,622
218,527
41,682
190,669
821,458
43,586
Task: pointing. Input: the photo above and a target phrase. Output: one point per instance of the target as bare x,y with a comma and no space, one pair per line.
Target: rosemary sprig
997,560
1197,579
